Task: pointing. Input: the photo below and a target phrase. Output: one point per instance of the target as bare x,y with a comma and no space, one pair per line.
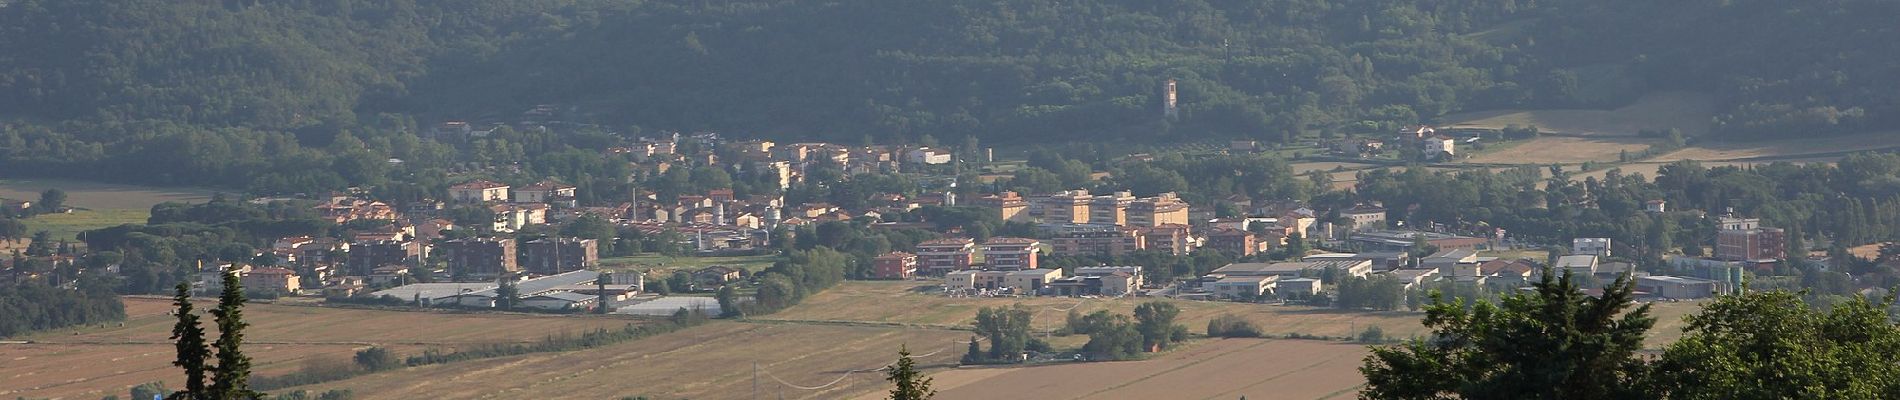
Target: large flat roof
1285,268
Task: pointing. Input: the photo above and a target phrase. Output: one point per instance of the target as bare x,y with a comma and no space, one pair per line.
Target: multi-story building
1171,238
1159,210
940,256
1010,254
894,265
1008,206
549,256
368,255
1365,216
1751,244
1067,207
480,257
1110,209
278,280
543,192
1113,242
1232,241
479,191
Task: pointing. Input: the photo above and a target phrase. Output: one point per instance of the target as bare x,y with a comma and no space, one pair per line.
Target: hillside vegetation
302,95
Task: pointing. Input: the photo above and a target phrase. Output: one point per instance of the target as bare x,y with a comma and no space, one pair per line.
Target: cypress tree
231,378
189,339
910,385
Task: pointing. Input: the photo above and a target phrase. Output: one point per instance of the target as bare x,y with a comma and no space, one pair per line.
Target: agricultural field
1565,150
1689,112
101,196
1823,148
95,361
1211,369
715,361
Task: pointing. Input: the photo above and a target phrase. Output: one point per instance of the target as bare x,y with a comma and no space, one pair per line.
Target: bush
1230,326
1372,334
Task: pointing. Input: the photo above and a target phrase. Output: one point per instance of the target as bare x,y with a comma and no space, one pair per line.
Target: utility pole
755,380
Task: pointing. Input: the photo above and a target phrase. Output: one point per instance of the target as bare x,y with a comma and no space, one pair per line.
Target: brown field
899,303
1565,150
96,361
1689,112
1302,168
95,195
1803,148
1212,369
708,362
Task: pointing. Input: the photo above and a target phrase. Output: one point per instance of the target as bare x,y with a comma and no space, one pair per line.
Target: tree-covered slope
111,89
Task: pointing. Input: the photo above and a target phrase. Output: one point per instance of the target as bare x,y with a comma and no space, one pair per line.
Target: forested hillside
258,93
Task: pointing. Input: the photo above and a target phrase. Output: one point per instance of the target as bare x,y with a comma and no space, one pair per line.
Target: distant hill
100,81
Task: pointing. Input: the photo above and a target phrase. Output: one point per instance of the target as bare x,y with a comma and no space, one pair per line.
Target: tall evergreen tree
911,385
189,340
231,378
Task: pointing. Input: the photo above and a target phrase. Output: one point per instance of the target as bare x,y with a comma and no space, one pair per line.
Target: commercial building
1404,240
1358,268
1678,287
1242,287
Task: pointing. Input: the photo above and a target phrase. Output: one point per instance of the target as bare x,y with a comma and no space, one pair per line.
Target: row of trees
1557,343
1117,337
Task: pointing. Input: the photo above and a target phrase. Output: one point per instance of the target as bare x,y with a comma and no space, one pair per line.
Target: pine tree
231,378
600,284
189,338
975,354
910,384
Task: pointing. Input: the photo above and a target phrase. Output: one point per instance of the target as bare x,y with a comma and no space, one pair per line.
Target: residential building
1008,253
894,265
543,192
1365,216
548,256
928,156
715,275
1009,206
1242,286
1599,247
367,256
478,191
1232,241
1293,269
1112,242
1171,238
1515,270
940,256
1067,207
277,280
481,257
1440,146
1111,209
1656,206
1163,209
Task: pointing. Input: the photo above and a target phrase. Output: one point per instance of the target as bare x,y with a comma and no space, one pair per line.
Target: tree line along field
95,361
917,304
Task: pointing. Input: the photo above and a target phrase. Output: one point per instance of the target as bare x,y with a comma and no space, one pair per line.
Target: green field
665,263
68,225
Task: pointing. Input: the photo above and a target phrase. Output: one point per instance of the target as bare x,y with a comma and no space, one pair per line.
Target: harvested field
1791,149
707,362
96,361
1565,150
1302,168
101,196
1213,369
1690,112
913,303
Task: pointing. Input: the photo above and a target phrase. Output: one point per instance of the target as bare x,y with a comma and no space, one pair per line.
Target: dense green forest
302,95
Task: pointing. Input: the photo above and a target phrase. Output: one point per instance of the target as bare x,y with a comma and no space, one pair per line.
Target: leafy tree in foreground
1554,343
911,385
1770,345
189,339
